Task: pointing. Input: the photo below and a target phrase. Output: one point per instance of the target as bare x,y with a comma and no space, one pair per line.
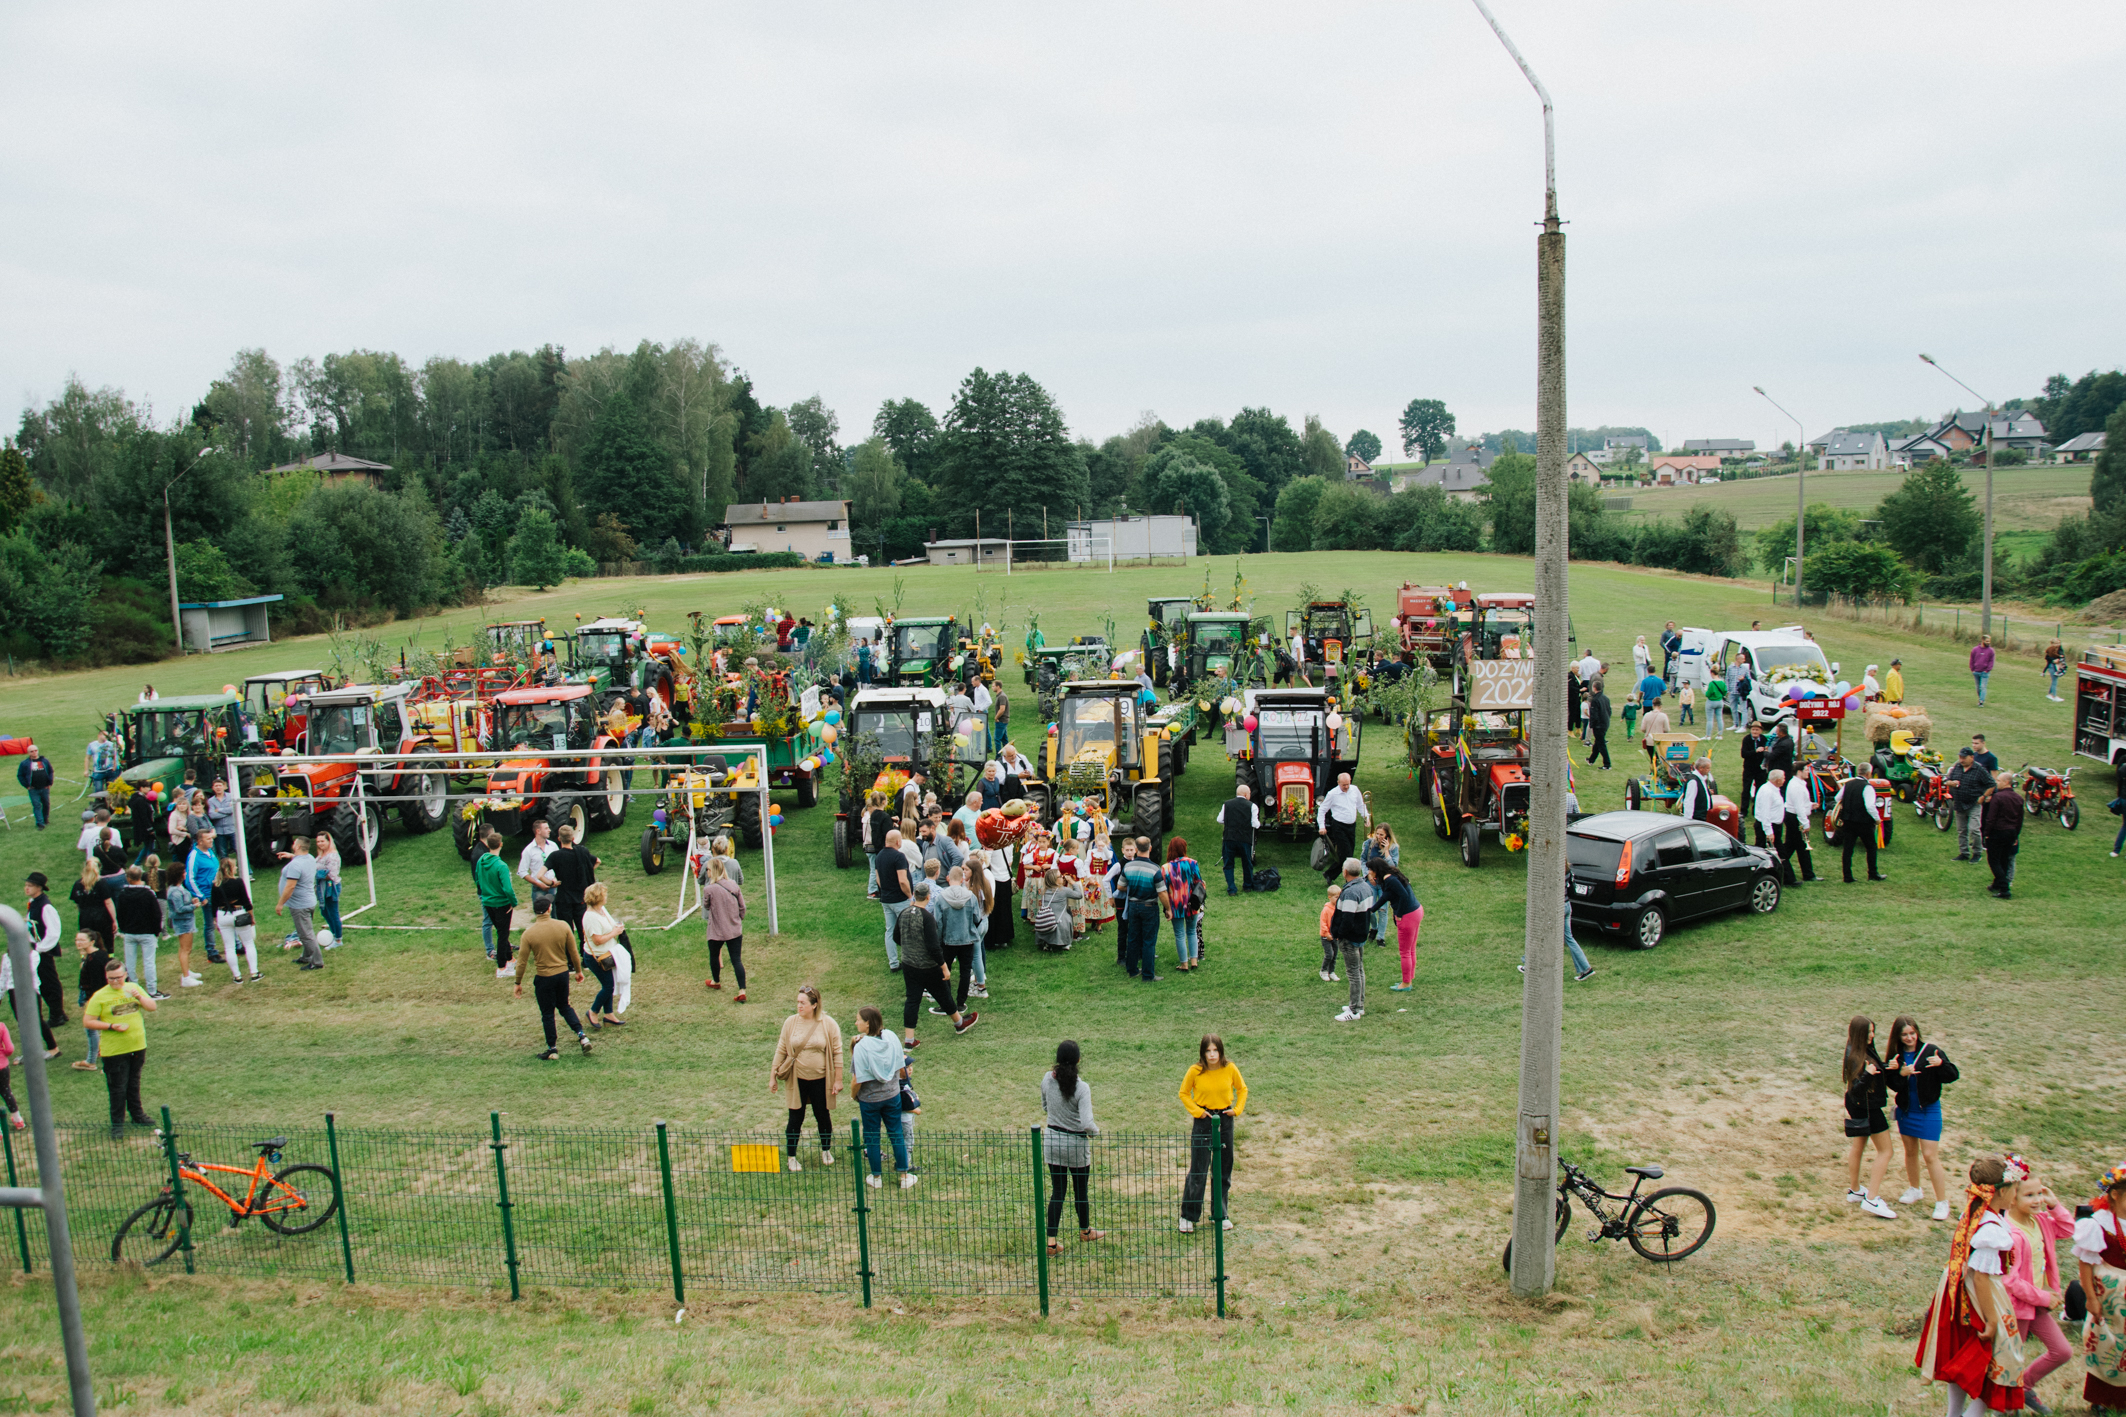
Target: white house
1842,450
2081,447
815,530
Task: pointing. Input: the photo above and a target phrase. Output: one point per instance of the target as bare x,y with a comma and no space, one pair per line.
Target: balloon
959,740
1852,703
1248,723
228,688
1336,721
834,716
1845,687
828,733
827,756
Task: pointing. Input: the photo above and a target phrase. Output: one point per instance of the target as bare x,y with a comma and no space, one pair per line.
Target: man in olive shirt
550,948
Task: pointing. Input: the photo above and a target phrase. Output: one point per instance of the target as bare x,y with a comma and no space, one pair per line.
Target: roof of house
2017,425
1704,462
1448,476
1730,446
786,512
227,604
1845,443
332,462
2084,443
1627,442
1917,442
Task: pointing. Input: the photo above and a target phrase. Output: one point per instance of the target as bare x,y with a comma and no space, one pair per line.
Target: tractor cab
277,704
1292,754
362,718
1330,630
1047,666
516,642
1103,744
160,739
1216,643
1432,617
1502,625
602,653
556,718
358,721
918,648
1169,620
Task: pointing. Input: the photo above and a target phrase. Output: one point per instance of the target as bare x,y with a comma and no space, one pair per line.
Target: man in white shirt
1769,808
1337,819
92,825
1589,667
1299,659
1015,763
1697,801
1238,821
1798,806
531,865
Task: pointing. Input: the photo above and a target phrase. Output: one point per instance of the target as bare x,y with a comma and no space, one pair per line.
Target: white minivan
1773,661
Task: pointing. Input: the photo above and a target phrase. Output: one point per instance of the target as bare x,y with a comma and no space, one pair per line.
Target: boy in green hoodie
498,897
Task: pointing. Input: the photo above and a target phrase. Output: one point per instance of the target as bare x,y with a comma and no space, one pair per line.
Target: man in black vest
1856,824
1697,803
1754,772
1241,819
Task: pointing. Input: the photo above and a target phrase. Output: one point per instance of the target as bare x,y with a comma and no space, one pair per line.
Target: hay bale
1915,722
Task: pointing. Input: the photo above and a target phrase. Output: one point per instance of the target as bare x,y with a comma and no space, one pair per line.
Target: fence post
1040,1226
22,1229
339,1195
1218,1127
671,1217
857,1173
177,1189
509,1230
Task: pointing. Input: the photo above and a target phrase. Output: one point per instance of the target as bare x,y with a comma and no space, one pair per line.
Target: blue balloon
834,715
826,755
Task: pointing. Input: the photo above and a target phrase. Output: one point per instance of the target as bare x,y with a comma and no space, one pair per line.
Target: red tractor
1430,619
526,786
362,719
277,705
1478,766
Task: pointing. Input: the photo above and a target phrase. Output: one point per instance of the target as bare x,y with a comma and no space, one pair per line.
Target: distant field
2024,498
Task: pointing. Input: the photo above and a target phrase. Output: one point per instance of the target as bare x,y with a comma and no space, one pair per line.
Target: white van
1773,660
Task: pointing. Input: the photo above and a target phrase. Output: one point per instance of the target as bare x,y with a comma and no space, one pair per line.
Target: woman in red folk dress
2100,1255
1970,1340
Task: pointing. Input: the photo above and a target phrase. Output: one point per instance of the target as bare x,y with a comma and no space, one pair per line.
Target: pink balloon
1248,723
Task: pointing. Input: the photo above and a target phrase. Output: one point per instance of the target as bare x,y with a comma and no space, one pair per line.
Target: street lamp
169,545
1543,986
1801,477
1985,613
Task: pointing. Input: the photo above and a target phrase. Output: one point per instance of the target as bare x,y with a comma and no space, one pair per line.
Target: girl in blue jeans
1181,874
876,1065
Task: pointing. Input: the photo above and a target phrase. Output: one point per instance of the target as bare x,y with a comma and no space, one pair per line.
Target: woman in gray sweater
1067,1142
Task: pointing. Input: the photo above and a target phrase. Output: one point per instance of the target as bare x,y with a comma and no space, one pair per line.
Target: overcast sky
1182,208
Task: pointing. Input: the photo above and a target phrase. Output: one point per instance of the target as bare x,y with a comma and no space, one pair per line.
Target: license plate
1582,888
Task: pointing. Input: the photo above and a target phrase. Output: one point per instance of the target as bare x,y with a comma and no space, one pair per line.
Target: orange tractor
373,720
526,786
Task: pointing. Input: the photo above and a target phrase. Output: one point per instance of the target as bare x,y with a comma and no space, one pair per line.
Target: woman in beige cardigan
808,1072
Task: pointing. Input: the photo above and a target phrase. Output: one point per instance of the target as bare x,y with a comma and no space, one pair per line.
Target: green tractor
621,659
1169,618
1217,648
161,739
918,650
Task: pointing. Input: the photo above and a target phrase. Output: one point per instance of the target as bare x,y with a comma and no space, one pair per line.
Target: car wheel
1652,927
1764,895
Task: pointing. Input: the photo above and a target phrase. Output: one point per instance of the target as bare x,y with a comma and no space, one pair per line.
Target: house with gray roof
1722,448
2081,447
2017,429
1843,450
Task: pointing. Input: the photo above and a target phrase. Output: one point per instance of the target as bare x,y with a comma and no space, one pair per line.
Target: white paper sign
1497,685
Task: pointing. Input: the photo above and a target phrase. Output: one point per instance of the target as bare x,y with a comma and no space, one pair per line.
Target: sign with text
1497,685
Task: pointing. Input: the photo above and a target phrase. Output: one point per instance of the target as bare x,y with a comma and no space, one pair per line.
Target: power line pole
1801,501
1543,985
1985,614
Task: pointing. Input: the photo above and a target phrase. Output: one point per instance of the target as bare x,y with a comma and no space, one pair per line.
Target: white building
1131,538
1843,450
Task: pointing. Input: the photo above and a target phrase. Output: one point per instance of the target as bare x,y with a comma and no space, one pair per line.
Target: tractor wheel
1634,795
1147,812
353,831
258,832
566,809
1166,760
1167,816
652,851
1043,805
808,790
1472,842
429,790
465,831
749,823
844,854
1424,786
609,804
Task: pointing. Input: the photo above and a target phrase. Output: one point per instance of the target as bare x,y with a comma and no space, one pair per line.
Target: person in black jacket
1918,1071
1857,824
1598,728
577,871
1754,772
1967,784
1239,819
35,774
1866,1086
1779,752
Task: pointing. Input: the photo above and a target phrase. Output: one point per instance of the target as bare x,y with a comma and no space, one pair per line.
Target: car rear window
1592,853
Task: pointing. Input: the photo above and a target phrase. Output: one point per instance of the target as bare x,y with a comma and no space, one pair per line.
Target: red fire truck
2100,704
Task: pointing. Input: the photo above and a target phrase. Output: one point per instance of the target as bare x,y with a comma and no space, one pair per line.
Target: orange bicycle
294,1200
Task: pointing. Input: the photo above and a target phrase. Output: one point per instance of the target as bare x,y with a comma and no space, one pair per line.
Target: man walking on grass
1239,819
1598,727
550,948
1968,783
575,871
1348,923
299,898
1337,819
498,898
1142,890
2002,824
35,775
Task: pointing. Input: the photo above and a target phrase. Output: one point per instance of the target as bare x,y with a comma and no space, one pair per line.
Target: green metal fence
662,1209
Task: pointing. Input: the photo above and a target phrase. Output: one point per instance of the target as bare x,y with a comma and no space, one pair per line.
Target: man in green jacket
498,897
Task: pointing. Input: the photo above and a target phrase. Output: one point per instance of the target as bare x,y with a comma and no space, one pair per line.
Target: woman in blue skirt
1918,1072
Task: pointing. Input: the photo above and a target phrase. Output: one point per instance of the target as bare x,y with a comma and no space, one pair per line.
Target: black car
1634,874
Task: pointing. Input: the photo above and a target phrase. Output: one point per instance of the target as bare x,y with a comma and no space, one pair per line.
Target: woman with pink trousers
1394,888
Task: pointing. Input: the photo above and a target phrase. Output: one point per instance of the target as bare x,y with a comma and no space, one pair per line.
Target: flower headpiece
2116,1176
2017,1168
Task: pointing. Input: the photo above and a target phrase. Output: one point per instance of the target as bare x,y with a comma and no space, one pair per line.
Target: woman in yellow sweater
1214,1093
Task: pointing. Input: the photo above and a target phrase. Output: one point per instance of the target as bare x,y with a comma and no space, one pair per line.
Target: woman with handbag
1866,1088
606,957
328,888
230,903
1970,1339
1183,879
1918,1071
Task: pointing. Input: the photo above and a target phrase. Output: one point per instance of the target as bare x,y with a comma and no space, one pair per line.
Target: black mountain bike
1664,1225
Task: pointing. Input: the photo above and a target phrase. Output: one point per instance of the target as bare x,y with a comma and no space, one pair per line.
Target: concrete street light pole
169,546
1543,986
1801,483
1985,613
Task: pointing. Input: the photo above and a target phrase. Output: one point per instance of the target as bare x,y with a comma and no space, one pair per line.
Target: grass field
1373,1186
2024,498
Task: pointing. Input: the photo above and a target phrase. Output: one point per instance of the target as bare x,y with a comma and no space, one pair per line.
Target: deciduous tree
1930,518
1426,426
1364,445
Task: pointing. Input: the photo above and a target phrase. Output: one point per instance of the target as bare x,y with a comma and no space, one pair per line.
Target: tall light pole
1801,479
1535,1148
169,546
1985,613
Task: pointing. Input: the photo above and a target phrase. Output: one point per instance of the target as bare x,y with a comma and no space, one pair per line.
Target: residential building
966,551
1722,448
1915,450
2081,447
336,468
818,531
2019,430
1959,432
1356,466
1580,467
1842,450
1683,469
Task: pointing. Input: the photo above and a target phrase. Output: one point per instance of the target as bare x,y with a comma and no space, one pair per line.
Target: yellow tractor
1104,745
702,803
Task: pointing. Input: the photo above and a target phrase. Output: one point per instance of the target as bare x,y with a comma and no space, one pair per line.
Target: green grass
2024,498
1373,1185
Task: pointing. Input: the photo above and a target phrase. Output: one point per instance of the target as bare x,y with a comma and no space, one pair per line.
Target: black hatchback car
1634,874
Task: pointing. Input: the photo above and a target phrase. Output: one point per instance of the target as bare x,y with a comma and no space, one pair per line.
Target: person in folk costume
1970,1340
1075,862
1100,863
1035,859
2100,1255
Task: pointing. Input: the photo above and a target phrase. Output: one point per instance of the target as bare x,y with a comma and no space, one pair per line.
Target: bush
1864,570
578,563
742,561
127,624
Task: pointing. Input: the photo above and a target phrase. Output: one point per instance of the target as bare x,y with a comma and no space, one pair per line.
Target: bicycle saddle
272,1144
1651,1173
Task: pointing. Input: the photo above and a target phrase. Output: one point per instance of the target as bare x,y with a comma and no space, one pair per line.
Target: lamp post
1801,478
1543,986
1985,450
169,545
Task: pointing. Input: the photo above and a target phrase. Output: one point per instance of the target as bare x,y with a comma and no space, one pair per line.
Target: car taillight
1624,866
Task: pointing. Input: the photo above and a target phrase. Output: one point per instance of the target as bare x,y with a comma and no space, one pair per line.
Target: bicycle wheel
152,1233
1670,1224
1564,1221
299,1205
